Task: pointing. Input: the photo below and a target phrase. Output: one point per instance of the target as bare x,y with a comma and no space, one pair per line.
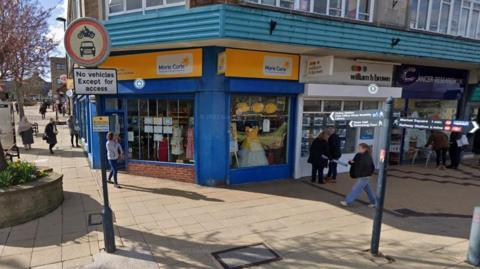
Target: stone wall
30,201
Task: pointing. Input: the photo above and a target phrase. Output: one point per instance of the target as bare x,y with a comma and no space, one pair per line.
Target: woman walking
114,152
50,135
26,132
319,156
73,128
362,168
43,110
335,152
439,142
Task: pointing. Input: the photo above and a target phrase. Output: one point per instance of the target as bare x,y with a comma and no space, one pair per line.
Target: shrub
19,172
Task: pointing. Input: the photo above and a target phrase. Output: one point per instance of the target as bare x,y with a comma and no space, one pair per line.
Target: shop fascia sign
157,65
331,70
258,64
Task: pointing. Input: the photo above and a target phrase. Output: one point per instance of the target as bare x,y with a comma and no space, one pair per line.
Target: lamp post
62,19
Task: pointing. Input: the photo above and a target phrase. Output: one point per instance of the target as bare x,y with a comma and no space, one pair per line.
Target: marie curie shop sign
95,81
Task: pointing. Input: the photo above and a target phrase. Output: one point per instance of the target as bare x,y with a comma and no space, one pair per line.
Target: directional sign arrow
365,123
356,115
475,127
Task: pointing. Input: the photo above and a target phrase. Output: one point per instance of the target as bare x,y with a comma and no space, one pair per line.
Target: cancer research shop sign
95,81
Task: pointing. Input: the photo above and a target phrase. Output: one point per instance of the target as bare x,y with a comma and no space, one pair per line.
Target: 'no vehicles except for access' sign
95,81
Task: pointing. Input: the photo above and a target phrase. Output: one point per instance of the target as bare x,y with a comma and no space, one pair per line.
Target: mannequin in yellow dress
252,152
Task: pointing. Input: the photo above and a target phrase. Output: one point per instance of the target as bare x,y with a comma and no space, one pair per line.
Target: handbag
44,137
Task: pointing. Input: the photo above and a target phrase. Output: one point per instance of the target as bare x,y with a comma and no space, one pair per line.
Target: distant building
57,69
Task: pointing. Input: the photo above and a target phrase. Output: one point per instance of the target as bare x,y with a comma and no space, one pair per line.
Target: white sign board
329,70
95,81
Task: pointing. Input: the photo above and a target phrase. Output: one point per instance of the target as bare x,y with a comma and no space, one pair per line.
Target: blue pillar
211,132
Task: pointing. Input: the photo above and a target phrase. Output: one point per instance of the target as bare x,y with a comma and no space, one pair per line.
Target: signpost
384,119
460,126
87,43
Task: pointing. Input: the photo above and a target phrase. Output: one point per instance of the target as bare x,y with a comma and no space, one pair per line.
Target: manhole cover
246,256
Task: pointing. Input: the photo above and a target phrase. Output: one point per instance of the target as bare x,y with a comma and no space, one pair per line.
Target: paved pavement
168,224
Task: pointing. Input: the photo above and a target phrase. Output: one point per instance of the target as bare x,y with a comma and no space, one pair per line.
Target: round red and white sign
87,42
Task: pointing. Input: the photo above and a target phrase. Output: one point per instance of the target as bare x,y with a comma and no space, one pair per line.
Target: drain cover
246,256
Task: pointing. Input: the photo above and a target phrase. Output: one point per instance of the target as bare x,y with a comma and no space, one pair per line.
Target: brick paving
168,224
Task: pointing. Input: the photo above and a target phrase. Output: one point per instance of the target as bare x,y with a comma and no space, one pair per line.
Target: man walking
334,155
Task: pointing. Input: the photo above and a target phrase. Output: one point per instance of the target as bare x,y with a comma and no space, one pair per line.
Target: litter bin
473,256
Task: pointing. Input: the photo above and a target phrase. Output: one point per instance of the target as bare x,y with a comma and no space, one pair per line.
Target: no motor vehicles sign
95,81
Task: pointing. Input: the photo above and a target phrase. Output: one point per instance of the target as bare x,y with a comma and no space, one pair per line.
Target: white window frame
467,5
142,9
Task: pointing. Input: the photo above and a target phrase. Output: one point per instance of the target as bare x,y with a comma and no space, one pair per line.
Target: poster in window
167,129
367,133
148,129
158,121
157,129
158,137
167,121
130,136
148,120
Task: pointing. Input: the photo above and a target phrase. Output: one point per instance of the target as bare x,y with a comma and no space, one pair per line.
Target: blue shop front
211,116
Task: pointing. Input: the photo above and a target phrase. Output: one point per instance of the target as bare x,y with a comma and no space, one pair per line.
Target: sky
56,30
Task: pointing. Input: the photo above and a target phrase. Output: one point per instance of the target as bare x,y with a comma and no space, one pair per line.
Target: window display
161,130
316,118
259,130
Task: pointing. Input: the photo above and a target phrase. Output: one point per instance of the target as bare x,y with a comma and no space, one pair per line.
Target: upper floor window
454,17
125,6
354,9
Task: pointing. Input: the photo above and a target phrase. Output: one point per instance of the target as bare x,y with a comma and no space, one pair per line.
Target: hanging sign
87,42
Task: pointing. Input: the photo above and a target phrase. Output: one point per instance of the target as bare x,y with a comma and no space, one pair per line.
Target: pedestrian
334,155
319,156
362,168
439,142
73,128
43,110
113,155
455,149
16,107
50,135
25,130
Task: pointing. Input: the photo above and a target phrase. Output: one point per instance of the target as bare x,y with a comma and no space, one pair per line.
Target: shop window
160,130
113,104
259,130
316,118
454,17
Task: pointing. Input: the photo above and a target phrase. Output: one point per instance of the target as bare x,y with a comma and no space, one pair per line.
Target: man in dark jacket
318,156
335,153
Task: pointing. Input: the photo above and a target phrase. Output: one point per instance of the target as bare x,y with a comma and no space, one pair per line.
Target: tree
24,46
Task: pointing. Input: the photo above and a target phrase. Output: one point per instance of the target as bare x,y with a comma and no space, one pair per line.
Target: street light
62,19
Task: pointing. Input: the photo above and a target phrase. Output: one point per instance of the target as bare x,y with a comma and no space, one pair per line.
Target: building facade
231,92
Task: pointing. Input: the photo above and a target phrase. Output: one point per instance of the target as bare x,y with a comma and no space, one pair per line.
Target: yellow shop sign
163,64
258,64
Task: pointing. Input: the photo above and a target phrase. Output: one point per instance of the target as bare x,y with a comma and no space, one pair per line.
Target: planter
22,203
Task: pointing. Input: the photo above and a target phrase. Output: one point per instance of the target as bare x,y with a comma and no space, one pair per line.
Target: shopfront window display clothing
177,140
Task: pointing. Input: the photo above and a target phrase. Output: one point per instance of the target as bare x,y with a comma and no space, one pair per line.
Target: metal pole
108,233
382,177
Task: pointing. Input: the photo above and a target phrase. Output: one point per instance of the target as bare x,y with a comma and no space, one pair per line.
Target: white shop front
335,84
